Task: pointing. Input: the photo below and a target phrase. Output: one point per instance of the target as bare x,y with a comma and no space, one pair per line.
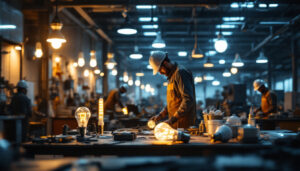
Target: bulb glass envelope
82,116
164,132
151,124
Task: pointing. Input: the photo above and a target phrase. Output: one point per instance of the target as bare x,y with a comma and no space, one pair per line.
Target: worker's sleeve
272,100
118,98
163,113
185,87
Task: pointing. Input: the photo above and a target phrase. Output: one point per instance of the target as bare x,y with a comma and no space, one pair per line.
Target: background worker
113,98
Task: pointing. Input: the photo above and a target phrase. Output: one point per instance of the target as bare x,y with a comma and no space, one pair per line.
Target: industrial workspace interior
149,85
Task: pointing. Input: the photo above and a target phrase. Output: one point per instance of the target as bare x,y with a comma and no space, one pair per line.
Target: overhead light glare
215,83
262,59
145,6
147,19
127,31
150,33
273,5
237,62
8,26
226,26
154,26
262,5
233,18
222,61
182,53
158,42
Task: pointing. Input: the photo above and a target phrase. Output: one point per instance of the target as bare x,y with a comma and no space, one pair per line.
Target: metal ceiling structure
251,26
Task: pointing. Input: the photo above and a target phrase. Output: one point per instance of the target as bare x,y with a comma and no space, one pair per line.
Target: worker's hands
171,121
156,118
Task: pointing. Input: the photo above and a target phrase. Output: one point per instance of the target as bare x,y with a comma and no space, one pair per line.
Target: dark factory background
64,63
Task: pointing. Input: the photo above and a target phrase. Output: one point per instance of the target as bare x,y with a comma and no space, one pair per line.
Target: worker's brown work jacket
269,102
181,99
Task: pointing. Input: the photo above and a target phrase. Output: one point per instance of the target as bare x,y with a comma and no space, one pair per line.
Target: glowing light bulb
114,72
221,45
97,71
101,114
234,70
57,59
142,86
82,116
110,66
81,60
93,61
86,73
165,132
75,64
56,44
102,74
38,50
151,124
125,77
148,88
130,82
137,82
125,110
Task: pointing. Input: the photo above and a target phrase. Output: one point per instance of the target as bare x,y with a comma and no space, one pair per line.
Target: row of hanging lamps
56,38
110,62
221,44
158,42
136,54
262,59
196,52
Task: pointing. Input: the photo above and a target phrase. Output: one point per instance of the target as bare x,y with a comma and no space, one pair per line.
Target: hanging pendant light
237,62
226,73
221,43
234,70
97,71
38,50
208,63
125,76
262,59
93,61
158,42
56,38
110,62
208,77
86,73
136,54
196,52
126,28
81,61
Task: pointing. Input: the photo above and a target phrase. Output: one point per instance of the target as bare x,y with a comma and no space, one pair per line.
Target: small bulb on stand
82,116
101,114
151,124
165,132
125,111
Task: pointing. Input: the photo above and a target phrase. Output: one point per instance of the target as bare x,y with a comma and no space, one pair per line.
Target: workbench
143,145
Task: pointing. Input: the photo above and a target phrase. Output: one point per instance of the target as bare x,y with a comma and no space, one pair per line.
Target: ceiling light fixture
136,54
234,70
158,42
208,63
126,28
182,53
208,77
38,50
81,61
93,61
262,59
8,26
114,72
196,52
226,73
97,71
139,74
222,61
125,77
56,38
110,62
221,44
237,62
154,26
215,83
148,19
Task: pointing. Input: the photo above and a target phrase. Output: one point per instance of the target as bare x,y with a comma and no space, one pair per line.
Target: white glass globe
221,45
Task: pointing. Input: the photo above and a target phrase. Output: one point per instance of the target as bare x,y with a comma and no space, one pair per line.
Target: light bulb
101,114
93,62
56,44
234,70
221,45
82,116
137,82
148,88
125,110
38,50
97,71
86,73
165,132
102,74
130,82
125,77
142,86
151,124
81,60
110,66
75,64
57,59
114,72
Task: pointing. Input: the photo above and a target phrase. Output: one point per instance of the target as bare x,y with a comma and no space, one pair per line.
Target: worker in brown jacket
113,98
181,99
268,100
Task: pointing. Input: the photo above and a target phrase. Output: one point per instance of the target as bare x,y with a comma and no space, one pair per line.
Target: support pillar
105,70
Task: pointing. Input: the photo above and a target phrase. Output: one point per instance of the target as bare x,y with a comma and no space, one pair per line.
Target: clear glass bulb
151,124
221,45
93,62
86,72
82,116
165,132
110,66
56,44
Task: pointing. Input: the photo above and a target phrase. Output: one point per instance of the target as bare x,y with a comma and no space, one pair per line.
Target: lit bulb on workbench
82,116
165,132
125,111
151,124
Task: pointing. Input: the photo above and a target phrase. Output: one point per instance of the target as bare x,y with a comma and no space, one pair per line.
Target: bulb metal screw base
183,137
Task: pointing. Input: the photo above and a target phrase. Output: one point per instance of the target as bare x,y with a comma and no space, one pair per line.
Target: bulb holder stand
183,137
82,131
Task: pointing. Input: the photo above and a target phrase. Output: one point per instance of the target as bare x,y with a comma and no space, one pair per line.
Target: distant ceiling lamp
221,43
114,72
102,74
110,62
237,62
222,61
196,52
126,28
158,42
234,70
136,54
57,58
215,83
56,38
226,73
262,59
93,61
139,74
18,47
208,63
125,77
142,86
81,61
149,67
137,83
75,64
208,77
86,73
130,82
198,79
97,71
38,50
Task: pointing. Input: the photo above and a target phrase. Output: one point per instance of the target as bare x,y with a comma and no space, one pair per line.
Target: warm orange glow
151,124
101,114
165,132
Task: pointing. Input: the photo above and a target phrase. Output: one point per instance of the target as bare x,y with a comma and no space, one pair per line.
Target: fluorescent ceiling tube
182,53
8,26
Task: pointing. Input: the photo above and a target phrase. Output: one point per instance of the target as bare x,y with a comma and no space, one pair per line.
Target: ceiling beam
93,24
